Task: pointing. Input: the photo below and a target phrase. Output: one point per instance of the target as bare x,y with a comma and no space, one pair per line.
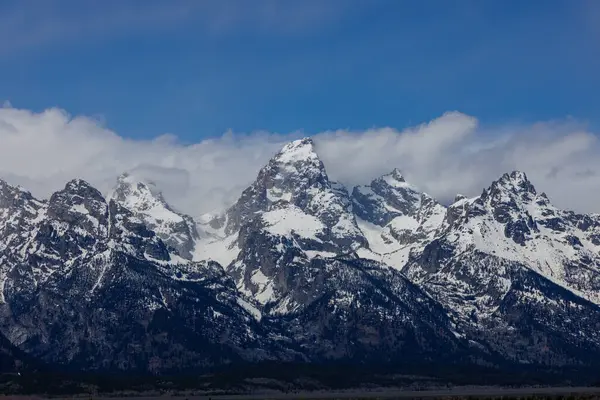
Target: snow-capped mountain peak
291,211
177,230
295,179
396,217
288,177
511,221
139,195
301,150
459,197
81,204
388,197
394,178
510,187
294,169
80,186
12,195
78,192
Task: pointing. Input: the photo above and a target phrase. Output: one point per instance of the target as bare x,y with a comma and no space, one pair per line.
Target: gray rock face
508,309
356,309
18,211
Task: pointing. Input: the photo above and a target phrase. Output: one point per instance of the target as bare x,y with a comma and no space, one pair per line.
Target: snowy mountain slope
511,221
516,274
46,236
395,217
507,308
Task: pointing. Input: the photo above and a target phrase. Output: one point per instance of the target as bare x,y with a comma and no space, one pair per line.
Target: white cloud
449,155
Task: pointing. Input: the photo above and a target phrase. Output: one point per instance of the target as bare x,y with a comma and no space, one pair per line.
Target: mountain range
299,270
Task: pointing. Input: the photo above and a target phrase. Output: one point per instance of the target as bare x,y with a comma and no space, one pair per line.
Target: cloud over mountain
450,154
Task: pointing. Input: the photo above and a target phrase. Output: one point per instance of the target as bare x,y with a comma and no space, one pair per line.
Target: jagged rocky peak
143,197
393,182
77,191
136,193
294,176
459,197
81,187
406,218
79,203
514,185
394,177
7,187
386,198
298,150
13,196
506,198
18,211
290,214
295,168
509,220
147,203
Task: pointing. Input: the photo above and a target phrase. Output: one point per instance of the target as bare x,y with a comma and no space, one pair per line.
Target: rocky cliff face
299,268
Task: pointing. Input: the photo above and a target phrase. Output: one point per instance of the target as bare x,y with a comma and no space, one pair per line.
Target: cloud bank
449,155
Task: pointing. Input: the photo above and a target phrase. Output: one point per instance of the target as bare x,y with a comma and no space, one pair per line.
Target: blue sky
198,68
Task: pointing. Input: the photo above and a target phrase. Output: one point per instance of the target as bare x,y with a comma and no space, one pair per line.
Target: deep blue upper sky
198,68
